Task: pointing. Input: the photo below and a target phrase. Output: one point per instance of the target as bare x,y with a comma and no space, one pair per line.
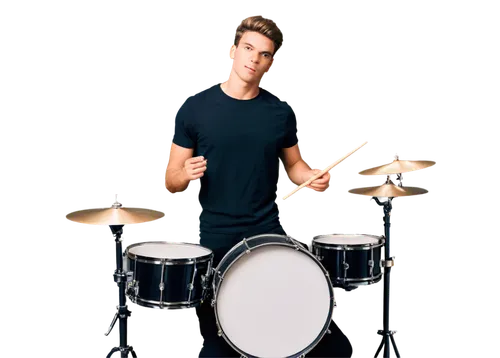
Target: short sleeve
184,134
290,130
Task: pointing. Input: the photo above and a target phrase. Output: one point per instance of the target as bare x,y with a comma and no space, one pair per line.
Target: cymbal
398,166
387,191
116,215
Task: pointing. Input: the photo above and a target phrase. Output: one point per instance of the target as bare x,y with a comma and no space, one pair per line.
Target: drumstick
326,170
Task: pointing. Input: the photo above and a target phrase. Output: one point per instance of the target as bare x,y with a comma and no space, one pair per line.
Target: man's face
253,57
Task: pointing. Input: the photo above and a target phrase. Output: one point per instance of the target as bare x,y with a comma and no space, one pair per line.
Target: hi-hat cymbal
387,191
116,215
398,166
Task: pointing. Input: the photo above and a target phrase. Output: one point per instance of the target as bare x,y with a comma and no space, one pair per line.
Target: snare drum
167,275
272,298
351,260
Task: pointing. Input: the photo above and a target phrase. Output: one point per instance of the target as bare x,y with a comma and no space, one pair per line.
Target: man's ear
231,52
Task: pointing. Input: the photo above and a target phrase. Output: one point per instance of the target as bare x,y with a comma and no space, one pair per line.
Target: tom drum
351,260
167,275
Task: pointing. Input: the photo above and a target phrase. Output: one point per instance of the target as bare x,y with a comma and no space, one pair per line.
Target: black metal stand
123,313
387,264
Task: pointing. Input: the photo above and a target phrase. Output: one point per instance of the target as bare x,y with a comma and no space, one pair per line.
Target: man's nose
255,58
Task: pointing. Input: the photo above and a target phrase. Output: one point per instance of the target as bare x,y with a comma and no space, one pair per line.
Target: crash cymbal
398,166
116,215
387,191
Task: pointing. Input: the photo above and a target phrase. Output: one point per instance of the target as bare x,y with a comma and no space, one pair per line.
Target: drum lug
190,287
248,250
204,282
320,258
212,303
209,269
130,281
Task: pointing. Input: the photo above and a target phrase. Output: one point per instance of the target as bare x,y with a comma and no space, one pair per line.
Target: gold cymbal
387,191
116,215
398,166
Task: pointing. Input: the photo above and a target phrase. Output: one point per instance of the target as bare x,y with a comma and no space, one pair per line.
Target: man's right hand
194,168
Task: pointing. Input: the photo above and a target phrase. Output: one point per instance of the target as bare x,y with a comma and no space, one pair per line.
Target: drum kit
265,278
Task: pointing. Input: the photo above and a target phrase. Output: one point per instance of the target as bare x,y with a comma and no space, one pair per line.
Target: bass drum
272,297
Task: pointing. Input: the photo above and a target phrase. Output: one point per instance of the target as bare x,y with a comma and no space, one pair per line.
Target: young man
243,130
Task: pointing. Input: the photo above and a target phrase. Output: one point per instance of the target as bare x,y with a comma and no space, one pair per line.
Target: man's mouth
250,68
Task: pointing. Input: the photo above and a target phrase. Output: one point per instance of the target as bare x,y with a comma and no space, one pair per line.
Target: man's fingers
320,181
316,188
199,170
199,164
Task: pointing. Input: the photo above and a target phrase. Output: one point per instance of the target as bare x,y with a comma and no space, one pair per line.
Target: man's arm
296,168
175,181
175,176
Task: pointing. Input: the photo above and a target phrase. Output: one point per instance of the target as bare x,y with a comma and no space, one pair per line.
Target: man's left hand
321,183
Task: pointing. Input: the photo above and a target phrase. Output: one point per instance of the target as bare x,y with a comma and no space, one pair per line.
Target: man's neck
238,89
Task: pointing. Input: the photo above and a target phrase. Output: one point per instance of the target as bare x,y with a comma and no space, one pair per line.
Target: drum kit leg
387,264
122,311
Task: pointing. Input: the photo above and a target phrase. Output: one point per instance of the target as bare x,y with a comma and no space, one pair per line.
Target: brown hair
263,26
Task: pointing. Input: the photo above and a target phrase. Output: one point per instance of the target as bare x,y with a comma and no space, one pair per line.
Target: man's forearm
298,173
176,180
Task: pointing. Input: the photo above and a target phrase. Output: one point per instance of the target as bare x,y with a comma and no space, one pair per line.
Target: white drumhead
273,302
340,239
164,250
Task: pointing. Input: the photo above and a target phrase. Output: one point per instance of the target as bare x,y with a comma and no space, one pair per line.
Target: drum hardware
390,191
116,217
387,264
123,312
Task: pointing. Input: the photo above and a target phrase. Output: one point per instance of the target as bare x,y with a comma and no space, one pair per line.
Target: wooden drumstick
326,170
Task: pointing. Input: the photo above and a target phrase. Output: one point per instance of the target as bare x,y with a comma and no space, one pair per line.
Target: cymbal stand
123,313
387,264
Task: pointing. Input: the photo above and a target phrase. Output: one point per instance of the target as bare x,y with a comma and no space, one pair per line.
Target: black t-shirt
242,141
